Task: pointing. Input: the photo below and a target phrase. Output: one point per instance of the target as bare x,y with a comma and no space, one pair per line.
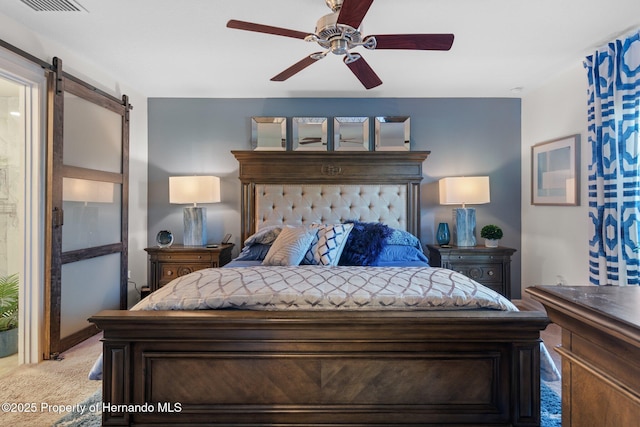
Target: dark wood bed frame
303,368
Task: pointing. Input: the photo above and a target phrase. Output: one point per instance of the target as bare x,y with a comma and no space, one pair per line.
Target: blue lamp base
465,226
195,226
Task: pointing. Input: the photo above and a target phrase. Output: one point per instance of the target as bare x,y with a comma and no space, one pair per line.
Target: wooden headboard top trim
376,167
331,167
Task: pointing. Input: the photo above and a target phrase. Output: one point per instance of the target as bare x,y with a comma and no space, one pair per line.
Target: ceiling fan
338,33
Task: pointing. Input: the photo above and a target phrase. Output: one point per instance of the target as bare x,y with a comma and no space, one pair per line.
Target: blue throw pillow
401,237
365,243
400,253
255,252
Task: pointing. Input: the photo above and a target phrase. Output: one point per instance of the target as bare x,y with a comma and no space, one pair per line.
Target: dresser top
617,306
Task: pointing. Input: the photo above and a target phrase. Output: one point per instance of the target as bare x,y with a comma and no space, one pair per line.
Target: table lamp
194,189
464,191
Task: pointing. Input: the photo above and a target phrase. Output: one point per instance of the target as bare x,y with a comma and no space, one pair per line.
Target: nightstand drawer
184,257
476,258
166,264
490,267
483,273
168,271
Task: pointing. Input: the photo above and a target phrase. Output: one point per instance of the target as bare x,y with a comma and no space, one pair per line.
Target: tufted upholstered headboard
278,204
289,187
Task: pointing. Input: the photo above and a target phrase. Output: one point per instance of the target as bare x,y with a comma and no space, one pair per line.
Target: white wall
555,238
44,49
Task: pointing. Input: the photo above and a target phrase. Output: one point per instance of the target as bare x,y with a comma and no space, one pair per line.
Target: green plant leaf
491,231
9,291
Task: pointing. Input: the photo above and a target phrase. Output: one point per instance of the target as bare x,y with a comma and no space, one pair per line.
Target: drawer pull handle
169,273
490,273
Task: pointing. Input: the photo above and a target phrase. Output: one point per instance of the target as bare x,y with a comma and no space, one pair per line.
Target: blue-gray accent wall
466,137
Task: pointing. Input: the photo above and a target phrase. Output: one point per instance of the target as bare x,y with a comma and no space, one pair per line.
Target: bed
312,367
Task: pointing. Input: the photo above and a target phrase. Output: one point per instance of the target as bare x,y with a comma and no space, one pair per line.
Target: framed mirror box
309,133
269,133
351,133
392,133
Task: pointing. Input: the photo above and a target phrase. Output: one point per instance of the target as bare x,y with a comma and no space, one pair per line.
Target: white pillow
328,243
290,246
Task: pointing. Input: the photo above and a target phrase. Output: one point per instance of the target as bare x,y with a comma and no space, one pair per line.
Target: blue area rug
550,413
91,416
550,407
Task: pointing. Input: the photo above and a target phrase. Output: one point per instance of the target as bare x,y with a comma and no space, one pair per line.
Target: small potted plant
8,315
491,234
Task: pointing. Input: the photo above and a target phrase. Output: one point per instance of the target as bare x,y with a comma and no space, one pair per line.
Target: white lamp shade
472,190
194,189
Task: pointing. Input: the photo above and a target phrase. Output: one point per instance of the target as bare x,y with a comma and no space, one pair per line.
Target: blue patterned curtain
614,171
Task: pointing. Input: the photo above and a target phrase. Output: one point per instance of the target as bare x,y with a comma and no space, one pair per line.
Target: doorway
22,137
38,166
12,143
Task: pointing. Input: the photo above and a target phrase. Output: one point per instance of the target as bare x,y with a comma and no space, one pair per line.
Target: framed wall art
351,133
393,133
309,133
555,172
269,133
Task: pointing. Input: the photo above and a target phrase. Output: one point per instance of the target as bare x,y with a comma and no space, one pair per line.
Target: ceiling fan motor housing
339,38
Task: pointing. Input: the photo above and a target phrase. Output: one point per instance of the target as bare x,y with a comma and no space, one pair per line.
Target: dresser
600,352
488,266
165,264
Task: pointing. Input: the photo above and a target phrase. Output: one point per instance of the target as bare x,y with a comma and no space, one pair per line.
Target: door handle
58,217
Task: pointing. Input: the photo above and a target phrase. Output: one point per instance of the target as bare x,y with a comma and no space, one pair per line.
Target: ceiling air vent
54,5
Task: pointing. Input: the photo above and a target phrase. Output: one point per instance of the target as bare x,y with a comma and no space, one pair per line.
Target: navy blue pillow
255,252
364,244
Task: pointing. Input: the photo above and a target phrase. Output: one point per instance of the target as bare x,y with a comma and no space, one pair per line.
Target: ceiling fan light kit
338,33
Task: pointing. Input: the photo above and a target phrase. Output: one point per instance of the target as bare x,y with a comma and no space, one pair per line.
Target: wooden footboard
321,368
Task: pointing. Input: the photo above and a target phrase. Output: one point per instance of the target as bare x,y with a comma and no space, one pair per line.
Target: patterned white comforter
315,287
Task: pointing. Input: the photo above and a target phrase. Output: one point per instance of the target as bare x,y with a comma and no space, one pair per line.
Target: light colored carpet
47,384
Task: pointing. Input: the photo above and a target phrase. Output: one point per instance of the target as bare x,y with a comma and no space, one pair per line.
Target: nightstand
488,266
165,264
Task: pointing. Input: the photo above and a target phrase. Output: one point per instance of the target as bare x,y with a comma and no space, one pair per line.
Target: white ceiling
182,48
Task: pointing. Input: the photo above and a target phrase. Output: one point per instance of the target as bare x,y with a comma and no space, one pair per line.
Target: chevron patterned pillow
290,246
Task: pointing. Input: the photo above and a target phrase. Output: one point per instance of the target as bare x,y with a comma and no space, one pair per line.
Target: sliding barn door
87,204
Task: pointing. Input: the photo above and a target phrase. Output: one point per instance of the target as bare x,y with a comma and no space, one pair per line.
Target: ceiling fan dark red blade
352,12
363,72
295,68
267,29
414,41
